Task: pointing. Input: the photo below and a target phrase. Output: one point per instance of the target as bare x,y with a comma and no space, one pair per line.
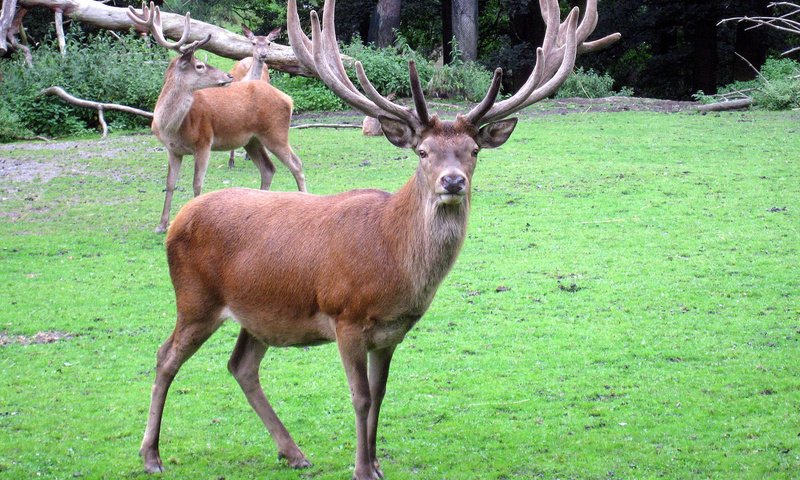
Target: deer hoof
152,462
295,460
160,229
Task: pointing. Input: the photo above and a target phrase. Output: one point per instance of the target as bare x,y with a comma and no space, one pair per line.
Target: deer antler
321,55
563,41
554,59
150,18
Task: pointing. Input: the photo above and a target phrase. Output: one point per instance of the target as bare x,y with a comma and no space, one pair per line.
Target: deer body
280,281
359,268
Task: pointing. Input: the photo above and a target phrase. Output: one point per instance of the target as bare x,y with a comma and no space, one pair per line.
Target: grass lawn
627,305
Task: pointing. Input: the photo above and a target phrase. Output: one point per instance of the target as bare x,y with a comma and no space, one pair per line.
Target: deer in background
358,268
191,118
254,67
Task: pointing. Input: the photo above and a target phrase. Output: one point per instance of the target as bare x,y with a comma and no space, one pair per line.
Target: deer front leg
379,361
173,169
354,358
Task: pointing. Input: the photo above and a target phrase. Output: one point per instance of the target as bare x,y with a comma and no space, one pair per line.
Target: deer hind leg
244,363
285,154
173,169
261,159
231,162
188,336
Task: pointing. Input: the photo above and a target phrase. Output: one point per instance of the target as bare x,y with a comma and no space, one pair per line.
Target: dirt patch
38,339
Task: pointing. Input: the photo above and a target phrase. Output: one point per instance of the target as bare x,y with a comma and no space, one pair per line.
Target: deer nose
453,183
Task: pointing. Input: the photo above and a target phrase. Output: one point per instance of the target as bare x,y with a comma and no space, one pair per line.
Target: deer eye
475,152
423,154
200,67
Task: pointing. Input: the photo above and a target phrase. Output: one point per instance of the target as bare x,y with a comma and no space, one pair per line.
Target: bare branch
781,22
99,106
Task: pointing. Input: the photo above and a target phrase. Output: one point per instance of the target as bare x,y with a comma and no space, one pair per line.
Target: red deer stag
192,119
254,67
358,268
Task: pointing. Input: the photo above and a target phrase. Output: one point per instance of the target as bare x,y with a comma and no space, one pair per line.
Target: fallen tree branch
99,106
223,42
326,125
729,105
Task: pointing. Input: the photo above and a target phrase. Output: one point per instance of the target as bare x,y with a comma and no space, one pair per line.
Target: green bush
461,81
11,127
308,94
590,84
387,68
776,88
125,70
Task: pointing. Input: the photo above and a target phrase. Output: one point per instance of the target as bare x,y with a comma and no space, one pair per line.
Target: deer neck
428,235
256,68
172,106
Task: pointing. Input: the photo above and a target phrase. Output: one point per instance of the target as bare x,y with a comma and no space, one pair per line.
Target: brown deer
358,268
191,118
254,67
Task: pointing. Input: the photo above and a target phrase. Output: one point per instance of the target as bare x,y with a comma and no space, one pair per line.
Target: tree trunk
465,28
223,42
385,21
704,54
447,31
6,19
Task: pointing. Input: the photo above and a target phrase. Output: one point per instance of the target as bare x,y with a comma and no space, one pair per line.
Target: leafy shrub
11,127
776,88
387,68
308,94
125,70
590,84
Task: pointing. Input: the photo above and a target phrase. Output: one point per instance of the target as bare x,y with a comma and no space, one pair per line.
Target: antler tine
416,93
475,115
300,43
384,103
151,18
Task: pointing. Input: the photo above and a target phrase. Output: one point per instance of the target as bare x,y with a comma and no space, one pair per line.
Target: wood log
729,105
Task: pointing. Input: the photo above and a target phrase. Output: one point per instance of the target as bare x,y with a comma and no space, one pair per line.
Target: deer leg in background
354,358
286,155
244,363
261,159
379,361
173,169
231,160
182,344
201,157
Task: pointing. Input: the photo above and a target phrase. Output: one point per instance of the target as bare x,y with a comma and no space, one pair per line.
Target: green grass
649,324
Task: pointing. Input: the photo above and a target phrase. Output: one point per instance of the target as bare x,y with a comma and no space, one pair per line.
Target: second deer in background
255,66
192,119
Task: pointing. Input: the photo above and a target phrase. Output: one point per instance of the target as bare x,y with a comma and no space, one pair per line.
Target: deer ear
495,134
274,34
185,60
400,134
247,32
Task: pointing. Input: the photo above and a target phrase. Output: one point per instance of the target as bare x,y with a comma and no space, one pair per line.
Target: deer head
261,44
185,70
447,149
